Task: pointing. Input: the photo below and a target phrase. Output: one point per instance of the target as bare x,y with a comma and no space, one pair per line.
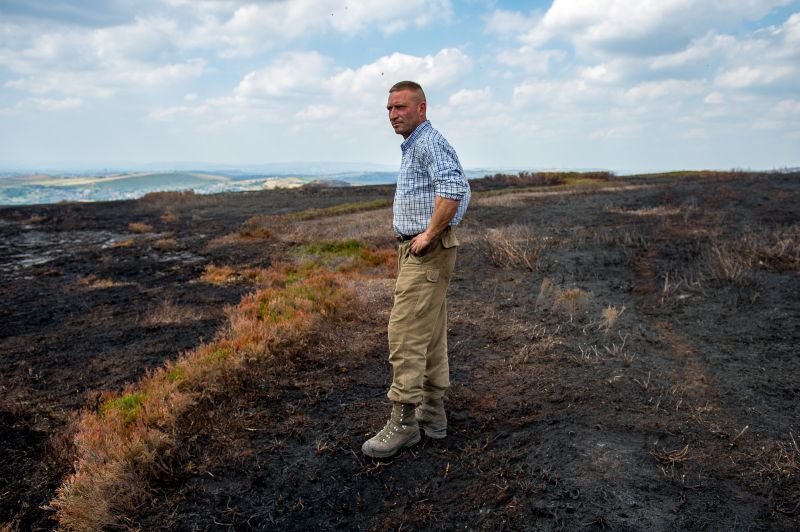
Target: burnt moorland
623,356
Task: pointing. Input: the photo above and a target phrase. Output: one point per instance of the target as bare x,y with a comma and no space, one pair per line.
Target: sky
622,85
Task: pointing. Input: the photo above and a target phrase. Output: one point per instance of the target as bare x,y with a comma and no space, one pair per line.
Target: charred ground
622,357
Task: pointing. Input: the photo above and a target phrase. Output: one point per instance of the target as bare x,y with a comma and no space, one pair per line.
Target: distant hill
20,189
35,189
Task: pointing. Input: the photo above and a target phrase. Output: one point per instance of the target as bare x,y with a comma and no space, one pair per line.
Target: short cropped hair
408,86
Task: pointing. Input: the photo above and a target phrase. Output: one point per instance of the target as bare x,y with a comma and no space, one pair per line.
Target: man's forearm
443,211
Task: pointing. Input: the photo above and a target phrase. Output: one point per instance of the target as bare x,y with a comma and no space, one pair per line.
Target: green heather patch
176,374
128,406
339,248
344,208
217,355
272,313
294,274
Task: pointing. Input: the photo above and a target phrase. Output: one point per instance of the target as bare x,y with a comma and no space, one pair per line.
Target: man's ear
423,107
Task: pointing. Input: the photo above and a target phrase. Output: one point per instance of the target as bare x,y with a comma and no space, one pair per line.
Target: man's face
406,111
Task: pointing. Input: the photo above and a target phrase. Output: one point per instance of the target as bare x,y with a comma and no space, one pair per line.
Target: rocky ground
622,357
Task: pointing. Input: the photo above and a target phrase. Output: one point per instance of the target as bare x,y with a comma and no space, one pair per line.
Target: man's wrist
429,234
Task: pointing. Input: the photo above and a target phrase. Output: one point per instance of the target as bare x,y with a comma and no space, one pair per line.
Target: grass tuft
140,227
127,406
515,246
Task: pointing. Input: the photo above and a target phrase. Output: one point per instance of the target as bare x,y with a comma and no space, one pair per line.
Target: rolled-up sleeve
445,170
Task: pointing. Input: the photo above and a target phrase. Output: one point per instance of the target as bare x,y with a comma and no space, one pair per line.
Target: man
431,197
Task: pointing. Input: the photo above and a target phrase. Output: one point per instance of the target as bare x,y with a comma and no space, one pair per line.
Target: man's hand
420,243
443,211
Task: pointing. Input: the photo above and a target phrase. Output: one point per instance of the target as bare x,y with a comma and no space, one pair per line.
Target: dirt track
678,415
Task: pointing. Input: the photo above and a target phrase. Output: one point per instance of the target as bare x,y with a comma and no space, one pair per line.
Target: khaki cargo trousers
418,322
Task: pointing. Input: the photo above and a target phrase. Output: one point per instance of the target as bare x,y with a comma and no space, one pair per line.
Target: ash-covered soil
89,302
622,358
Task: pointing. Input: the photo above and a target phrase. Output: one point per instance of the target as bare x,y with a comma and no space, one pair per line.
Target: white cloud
437,71
783,115
43,104
289,75
63,104
530,59
255,27
233,73
510,23
715,98
788,108
280,92
107,81
97,63
466,97
641,28
317,112
619,132
551,94
671,89
751,76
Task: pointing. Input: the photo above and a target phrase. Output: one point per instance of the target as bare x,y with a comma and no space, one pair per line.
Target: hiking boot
400,431
431,418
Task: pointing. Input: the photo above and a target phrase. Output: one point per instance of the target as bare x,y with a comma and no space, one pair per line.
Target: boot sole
378,454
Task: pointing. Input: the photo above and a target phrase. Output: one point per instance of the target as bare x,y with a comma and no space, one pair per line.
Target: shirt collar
415,135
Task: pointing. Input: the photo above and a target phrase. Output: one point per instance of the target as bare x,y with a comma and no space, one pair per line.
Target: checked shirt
429,168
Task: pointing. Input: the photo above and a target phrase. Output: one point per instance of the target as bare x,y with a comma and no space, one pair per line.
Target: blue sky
625,85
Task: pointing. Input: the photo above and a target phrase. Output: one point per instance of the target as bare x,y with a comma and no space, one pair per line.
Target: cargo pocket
449,239
427,292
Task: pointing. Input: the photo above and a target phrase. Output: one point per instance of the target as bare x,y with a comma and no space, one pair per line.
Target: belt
405,238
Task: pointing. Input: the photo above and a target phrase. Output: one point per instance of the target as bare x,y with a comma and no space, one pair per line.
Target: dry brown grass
775,249
258,228
736,259
95,283
726,264
169,313
140,227
170,217
124,243
223,275
569,302
122,444
609,317
515,246
176,198
166,244
219,275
